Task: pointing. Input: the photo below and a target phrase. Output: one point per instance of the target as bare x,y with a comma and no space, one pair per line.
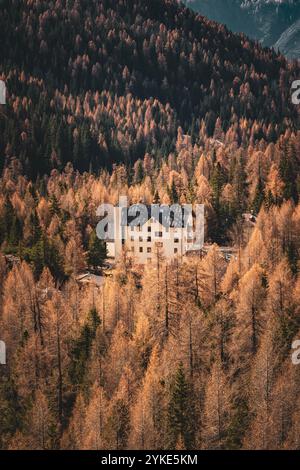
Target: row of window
149,239
138,228
149,250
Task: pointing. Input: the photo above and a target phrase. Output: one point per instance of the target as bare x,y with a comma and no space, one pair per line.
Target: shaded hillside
195,71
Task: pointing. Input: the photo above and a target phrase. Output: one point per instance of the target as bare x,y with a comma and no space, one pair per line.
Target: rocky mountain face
273,22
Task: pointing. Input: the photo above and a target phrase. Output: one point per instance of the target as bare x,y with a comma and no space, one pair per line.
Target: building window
141,249
140,239
149,228
159,244
148,239
132,238
176,240
158,234
148,249
132,228
175,250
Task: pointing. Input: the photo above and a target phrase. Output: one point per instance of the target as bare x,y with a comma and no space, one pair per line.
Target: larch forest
151,100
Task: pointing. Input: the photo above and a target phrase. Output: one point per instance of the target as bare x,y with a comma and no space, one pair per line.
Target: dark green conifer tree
181,413
97,251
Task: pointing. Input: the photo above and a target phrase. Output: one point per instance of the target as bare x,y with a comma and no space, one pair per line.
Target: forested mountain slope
66,86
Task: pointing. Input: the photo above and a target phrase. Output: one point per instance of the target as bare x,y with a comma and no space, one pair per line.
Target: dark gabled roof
138,214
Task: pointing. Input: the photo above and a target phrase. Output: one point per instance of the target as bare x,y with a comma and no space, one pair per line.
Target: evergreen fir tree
217,182
97,251
81,348
258,196
181,412
172,192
